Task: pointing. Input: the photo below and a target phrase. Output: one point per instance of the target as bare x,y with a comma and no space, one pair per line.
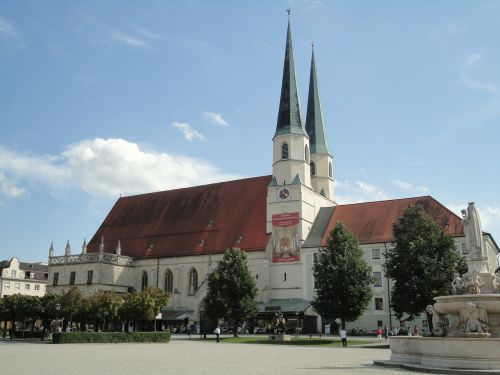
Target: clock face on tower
284,193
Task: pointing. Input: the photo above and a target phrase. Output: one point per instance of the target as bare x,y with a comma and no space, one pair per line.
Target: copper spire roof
314,120
198,220
289,116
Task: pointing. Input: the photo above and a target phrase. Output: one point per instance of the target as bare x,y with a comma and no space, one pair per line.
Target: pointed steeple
289,116
101,245
84,246
51,250
67,250
314,119
118,250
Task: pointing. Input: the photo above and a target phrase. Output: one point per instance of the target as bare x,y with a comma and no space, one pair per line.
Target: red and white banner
285,237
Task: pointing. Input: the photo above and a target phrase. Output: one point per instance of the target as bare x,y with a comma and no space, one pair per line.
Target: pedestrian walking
386,332
217,332
415,331
343,337
379,334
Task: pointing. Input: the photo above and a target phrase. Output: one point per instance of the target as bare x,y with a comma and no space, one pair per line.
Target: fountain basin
446,352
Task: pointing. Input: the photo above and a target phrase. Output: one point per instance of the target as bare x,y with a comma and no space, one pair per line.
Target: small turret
51,249
67,250
101,245
118,248
84,246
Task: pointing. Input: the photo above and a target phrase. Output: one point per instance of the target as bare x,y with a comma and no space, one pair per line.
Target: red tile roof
372,222
177,222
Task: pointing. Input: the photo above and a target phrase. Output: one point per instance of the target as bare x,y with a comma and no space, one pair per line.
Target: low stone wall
449,353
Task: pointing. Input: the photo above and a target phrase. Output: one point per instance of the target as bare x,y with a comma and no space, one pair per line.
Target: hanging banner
285,237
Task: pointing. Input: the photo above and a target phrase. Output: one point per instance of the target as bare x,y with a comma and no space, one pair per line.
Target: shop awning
290,305
175,313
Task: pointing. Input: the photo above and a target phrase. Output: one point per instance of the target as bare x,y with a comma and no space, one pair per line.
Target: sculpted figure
473,232
474,284
496,283
457,285
473,318
438,322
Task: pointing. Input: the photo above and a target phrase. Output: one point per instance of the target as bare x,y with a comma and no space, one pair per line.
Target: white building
23,278
172,239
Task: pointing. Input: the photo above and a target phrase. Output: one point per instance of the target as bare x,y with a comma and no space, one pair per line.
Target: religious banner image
285,237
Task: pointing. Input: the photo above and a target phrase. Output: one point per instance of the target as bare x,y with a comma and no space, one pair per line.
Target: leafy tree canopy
231,289
422,263
343,278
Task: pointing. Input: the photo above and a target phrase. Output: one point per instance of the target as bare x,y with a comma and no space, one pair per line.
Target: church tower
321,158
290,141
292,201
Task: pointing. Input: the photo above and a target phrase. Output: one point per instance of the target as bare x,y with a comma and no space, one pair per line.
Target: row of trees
101,309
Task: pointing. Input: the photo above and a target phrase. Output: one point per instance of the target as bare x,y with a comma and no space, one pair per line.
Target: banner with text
285,237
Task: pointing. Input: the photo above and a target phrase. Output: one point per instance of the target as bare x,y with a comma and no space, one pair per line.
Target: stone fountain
466,324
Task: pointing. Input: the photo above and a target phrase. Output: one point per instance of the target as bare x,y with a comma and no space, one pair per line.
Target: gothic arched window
284,151
330,173
144,283
306,153
313,169
193,281
169,281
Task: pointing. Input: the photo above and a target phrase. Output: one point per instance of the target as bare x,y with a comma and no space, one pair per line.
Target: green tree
343,278
4,316
48,304
231,289
70,304
422,263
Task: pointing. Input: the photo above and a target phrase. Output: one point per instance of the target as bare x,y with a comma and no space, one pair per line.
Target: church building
173,239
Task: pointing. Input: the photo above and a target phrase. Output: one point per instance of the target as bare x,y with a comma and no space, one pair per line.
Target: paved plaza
184,357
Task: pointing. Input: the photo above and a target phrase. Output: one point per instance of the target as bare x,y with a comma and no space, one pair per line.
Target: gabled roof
198,220
372,222
314,118
289,115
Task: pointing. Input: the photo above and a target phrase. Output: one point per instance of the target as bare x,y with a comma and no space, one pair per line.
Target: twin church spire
289,112
301,153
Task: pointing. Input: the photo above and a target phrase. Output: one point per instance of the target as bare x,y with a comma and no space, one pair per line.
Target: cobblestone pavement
185,357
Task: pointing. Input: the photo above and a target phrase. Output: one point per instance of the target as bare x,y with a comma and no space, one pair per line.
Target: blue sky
102,98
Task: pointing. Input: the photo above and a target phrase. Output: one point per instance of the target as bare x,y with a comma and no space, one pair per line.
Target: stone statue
473,318
474,284
279,325
438,322
457,285
473,232
496,283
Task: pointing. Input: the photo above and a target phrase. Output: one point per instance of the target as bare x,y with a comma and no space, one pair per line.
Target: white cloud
7,29
189,133
122,38
408,186
469,65
216,118
9,188
109,167
358,191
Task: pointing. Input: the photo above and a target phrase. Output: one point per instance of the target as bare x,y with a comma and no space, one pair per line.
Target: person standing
217,332
379,334
343,337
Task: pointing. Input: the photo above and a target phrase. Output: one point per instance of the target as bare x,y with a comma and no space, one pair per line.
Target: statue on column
473,232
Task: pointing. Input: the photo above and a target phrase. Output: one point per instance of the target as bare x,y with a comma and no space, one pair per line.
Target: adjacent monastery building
28,279
173,239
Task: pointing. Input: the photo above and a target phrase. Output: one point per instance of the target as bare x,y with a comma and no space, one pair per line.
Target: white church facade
173,239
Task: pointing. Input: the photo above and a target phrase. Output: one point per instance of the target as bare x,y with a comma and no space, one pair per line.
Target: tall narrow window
169,282
55,280
72,277
144,283
313,169
284,151
330,173
379,304
193,281
377,278
90,276
306,153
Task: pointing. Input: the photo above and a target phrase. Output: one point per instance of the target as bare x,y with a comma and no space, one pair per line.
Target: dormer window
284,151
